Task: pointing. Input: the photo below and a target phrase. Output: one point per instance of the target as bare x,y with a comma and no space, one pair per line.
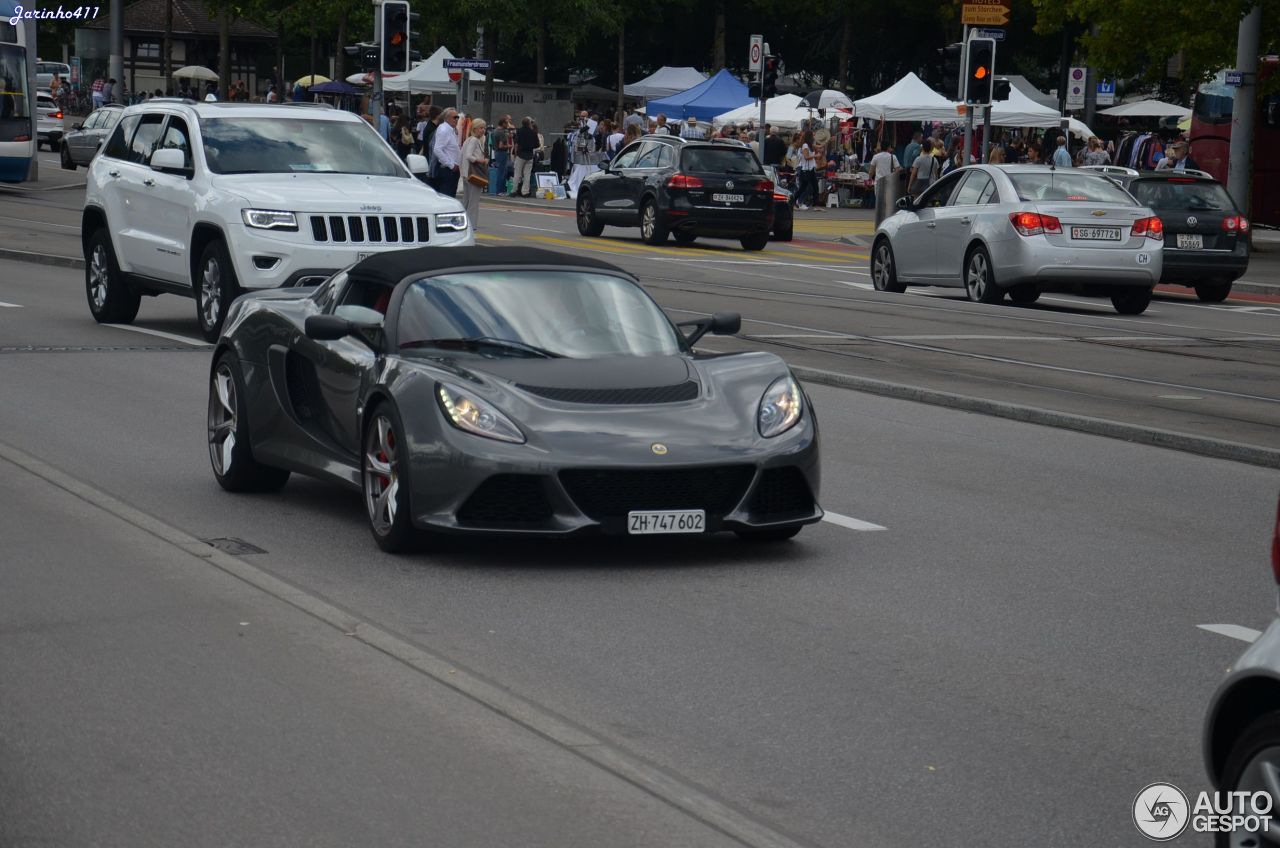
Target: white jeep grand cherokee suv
208,200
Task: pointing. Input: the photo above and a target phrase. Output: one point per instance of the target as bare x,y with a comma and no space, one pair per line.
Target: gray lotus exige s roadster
509,391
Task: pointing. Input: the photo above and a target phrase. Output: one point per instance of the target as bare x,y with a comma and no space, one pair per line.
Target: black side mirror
328,328
905,203
719,324
75,127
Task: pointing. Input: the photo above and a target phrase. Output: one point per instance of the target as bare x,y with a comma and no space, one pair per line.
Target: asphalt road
1008,660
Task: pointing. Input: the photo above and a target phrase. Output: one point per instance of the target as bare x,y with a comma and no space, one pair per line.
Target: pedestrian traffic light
397,24
770,87
951,59
1000,89
367,54
980,71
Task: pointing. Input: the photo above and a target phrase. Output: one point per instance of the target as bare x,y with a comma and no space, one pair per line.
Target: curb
1215,448
42,258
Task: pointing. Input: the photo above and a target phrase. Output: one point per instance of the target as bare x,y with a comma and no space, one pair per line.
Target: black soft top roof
394,266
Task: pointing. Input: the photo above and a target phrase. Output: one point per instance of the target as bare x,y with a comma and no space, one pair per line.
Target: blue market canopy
704,101
336,87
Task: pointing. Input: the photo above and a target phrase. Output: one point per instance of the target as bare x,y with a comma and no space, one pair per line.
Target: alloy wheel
976,280
211,292
222,419
381,478
884,265
1261,774
99,276
648,220
586,211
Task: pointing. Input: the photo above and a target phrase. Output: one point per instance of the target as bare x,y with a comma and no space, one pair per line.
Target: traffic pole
964,90
1240,169
377,107
986,132
760,129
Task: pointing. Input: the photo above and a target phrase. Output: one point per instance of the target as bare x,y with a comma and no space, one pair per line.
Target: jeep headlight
270,219
451,222
779,408
478,417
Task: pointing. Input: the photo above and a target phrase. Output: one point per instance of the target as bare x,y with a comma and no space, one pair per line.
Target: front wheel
111,301
216,287
979,281
1131,301
230,454
884,274
652,229
588,221
1213,292
755,241
385,467
1250,763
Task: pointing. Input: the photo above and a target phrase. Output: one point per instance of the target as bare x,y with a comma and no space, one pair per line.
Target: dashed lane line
173,337
4,305
1233,631
851,523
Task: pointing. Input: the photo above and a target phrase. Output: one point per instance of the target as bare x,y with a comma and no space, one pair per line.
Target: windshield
536,313
1178,196
720,160
13,86
1065,186
296,145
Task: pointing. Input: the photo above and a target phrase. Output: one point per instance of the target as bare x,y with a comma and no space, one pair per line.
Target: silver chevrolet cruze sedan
1021,230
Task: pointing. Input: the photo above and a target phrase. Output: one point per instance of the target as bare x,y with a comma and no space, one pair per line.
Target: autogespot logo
1160,812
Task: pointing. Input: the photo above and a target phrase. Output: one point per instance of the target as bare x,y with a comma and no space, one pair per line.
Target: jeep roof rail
309,105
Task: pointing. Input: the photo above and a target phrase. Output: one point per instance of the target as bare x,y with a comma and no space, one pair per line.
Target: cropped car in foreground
509,391
666,185
1206,237
1242,728
1022,230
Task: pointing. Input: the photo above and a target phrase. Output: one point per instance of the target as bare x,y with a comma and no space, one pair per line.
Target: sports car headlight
269,219
473,415
451,222
779,408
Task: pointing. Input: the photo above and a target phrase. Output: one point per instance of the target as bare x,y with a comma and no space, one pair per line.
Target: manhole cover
233,546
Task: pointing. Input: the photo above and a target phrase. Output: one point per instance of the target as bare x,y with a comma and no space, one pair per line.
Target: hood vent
687,390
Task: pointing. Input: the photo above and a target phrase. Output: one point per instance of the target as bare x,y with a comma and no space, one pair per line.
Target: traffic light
980,71
1000,89
770,87
397,23
951,58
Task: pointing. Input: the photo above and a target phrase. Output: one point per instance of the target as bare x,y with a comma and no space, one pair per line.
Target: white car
212,199
49,124
1021,230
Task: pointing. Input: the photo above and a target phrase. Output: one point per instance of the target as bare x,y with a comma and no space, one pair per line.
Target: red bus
1211,140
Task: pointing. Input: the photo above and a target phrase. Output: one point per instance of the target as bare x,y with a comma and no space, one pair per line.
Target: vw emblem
1192,220
658,448
728,184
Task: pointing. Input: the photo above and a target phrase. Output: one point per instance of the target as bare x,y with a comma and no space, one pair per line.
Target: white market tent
1021,111
1147,109
665,82
783,111
908,99
430,75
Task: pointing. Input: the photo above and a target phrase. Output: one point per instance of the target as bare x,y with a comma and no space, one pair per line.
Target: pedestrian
996,156
272,96
613,142
775,149
402,137
526,146
692,130
806,173
1095,155
475,158
884,166
582,153
109,90
445,152
1061,156
661,127
914,148
922,167
1179,158
634,119
503,136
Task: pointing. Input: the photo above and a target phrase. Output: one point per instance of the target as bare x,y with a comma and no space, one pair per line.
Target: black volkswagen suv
663,184
1206,238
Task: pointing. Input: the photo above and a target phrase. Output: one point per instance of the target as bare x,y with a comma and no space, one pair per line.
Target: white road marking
4,305
539,229
1234,631
173,337
851,523
76,228
856,285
